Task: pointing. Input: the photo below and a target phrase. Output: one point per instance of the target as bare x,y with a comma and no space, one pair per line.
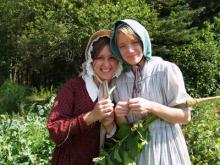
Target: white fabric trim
102,136
89,68
91,87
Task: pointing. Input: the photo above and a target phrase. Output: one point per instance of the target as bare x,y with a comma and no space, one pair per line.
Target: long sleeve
76,142
66,118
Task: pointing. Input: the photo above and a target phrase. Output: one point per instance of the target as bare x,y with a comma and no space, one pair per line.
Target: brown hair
99,45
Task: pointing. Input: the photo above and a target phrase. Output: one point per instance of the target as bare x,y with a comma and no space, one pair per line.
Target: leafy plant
203,135
25,140
129,142
11,96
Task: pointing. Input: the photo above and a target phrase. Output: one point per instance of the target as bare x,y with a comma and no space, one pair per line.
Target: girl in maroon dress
77,114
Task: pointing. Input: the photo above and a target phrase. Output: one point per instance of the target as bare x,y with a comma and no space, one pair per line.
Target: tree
43,43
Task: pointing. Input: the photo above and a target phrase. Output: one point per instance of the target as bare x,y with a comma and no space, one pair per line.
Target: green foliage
127,146
51,37
174,28
200,64
25,140
40,109
11,97
42,95
203,135
15,98
129,142
211,9
4,70
203,145
39,102
42,43
194,49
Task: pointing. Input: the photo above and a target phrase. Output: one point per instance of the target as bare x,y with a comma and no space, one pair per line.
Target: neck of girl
139,64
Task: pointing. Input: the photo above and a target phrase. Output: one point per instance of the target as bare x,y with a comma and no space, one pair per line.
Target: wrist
89,118
109,127
152,107
111,131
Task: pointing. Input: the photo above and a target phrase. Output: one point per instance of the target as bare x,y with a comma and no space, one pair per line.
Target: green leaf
109,162
124,130
128,160
132,142
117,156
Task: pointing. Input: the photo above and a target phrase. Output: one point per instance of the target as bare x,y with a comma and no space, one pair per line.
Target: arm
61,122
102,110
173,115
175,93
60,127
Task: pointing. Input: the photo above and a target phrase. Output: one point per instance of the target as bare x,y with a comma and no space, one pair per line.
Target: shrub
11,96
203,135
199,62
25,140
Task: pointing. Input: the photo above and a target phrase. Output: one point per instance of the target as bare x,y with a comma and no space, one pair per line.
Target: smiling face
130,47
105,64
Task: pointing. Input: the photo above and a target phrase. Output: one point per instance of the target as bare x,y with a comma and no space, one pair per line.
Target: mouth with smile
132,55
106,70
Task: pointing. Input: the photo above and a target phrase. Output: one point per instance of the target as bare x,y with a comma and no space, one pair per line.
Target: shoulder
120,79
162,65
73,81
73,84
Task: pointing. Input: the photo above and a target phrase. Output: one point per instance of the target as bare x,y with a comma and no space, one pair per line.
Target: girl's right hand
103,109
121,109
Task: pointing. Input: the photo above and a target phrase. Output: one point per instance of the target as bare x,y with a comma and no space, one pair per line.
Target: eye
135,42
112,58
98,58
121,46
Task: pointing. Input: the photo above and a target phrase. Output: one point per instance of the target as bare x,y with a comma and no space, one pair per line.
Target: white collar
91,87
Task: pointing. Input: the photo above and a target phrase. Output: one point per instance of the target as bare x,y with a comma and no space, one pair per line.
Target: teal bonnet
140,31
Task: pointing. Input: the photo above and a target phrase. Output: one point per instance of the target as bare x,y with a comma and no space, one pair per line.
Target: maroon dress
82,144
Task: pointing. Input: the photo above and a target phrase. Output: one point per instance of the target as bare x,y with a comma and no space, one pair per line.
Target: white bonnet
87,65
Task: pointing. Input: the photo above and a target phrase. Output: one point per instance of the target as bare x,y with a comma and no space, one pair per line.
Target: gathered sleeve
63,120
174,86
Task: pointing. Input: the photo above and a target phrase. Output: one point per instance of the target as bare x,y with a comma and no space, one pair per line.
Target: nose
130,48
106,62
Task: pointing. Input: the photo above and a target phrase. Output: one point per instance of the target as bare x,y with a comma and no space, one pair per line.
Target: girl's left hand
140,106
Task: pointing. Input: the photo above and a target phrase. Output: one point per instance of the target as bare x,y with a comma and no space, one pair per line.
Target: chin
108,78
133,61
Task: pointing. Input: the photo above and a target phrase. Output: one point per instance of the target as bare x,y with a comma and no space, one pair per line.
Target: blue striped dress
161,82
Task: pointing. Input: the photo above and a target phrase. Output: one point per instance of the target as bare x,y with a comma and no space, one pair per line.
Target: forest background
42,45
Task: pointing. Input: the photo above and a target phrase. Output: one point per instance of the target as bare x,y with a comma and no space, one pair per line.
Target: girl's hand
108,120
103,109
121,109
140,106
